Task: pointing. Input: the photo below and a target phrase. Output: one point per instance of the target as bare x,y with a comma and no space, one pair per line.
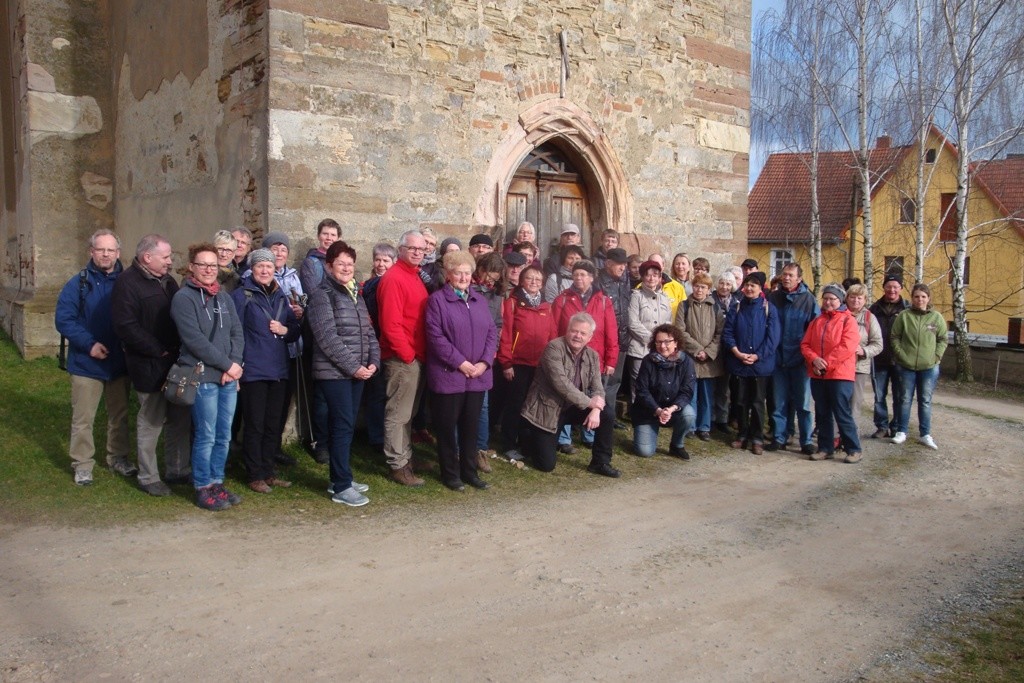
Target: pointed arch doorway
549,192
601,188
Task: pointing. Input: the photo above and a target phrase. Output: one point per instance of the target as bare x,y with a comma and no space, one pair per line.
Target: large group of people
495,345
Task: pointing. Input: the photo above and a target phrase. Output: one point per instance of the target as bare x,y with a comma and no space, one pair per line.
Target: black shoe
775,446
478,483
704,436
808,449
722,427
455,485
567,448
604,469
322,456
283,459
679,452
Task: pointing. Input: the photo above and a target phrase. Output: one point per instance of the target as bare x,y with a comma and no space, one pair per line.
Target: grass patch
36,483
979,389
988,647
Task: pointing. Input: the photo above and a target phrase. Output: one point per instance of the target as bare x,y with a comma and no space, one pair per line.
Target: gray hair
583,318
385,249
406,235
245,231
149,243
729,278
103,232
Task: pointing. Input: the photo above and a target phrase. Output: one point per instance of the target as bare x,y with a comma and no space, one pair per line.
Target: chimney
883,142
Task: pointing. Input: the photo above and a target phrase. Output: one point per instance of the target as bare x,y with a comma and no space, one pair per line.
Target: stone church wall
388,116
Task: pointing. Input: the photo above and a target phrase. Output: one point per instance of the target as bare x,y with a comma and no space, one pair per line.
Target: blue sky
757,7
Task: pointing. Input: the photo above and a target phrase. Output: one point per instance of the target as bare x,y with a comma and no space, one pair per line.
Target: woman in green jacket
918,341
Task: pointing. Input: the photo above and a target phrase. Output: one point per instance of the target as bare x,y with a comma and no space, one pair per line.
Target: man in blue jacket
95,359
791,386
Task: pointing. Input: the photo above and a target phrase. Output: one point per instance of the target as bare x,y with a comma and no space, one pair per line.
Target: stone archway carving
561,119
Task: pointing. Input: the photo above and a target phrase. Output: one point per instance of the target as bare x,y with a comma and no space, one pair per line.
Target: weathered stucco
191,150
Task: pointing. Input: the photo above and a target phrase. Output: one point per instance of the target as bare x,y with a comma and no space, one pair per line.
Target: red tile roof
1004,180
779,204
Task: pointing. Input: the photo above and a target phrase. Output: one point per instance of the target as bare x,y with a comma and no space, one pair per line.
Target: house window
929,156
967,271
780,257
948,217
894,265
908,211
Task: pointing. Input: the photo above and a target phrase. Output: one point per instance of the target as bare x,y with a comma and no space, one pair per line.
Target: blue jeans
703,402
212,414
791,391
923,381
342,397
483,425
884,376
833,398
645,436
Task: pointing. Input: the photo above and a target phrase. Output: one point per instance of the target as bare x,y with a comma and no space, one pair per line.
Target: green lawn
36,482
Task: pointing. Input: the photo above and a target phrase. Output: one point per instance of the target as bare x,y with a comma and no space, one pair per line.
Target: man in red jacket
402,301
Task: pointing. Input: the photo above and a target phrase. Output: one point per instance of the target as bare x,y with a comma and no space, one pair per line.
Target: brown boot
482,460
404,476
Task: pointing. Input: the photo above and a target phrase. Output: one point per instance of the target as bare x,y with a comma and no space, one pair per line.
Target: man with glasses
141,311
95,359
402,301
243,238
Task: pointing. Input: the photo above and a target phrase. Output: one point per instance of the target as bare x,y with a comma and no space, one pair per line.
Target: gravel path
734,568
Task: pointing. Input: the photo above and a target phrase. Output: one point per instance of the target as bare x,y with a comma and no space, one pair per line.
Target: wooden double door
548,192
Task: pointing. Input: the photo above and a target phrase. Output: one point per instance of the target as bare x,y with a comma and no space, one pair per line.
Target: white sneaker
899,437
83,477
928,441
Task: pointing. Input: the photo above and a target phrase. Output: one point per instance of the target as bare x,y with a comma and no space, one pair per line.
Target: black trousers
263,403
456,426
511,422
750,395
541,446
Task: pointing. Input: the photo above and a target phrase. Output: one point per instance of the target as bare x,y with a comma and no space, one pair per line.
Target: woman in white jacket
870,344
648,308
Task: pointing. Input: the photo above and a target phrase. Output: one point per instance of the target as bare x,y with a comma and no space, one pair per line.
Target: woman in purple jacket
462,341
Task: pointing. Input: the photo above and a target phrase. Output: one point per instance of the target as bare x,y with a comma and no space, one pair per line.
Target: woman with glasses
527,327
664,391
211,335
829,347
227,276
269,325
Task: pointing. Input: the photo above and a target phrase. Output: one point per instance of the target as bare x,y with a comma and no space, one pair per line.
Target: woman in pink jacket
830,349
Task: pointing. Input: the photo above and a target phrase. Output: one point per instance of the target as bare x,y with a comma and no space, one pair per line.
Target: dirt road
736,568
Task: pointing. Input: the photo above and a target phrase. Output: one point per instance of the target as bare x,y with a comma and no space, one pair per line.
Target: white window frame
778,259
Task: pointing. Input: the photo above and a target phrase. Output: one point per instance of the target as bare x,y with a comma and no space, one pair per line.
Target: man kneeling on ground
567,389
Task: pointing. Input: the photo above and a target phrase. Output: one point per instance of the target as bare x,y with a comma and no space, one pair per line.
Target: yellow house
779,224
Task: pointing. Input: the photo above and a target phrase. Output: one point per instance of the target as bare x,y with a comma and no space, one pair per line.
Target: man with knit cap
480,244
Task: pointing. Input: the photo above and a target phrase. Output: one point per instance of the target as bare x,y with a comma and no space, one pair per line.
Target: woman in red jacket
830,349
527,327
